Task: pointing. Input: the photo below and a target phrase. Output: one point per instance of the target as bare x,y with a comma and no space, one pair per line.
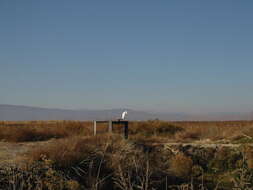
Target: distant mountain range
20,113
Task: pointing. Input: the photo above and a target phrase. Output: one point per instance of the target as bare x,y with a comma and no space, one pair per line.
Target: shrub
154,127
87,160
248,153
181,165
224,159
39,176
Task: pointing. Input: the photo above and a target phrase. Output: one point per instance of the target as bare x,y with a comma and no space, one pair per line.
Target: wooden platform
111,123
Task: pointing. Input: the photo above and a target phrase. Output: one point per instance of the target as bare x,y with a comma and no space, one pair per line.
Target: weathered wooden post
110,126
95,128
126,130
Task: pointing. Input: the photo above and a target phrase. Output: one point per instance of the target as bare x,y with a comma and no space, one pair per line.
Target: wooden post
126,130
95,128
110,126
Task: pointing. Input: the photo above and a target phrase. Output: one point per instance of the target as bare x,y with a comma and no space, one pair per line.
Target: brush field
64,155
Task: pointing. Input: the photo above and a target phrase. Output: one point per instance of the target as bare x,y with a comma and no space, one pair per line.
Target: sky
165,56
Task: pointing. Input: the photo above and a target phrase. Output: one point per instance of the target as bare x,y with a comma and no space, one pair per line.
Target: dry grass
102,162
38,131
89,160
192,131
153,130
213,130
111,162
69,152
181,165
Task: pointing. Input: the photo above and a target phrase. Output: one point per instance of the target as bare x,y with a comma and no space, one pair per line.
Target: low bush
154,128
39,176
225,160
43,131
181,165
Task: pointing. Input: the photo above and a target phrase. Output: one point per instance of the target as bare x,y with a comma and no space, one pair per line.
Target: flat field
157,155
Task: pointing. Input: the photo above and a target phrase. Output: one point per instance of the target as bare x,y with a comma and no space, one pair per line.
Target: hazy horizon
128,109
27,113
160,56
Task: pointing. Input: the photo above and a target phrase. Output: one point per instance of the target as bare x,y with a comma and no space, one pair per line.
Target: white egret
123,115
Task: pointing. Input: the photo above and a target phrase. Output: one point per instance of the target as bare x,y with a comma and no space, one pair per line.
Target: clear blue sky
176,56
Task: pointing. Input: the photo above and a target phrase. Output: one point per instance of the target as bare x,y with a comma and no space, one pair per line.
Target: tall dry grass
145,131
38,131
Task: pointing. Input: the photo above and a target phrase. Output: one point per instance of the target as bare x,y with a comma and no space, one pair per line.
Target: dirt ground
10,153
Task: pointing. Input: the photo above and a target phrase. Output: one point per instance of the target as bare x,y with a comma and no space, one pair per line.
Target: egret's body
123,116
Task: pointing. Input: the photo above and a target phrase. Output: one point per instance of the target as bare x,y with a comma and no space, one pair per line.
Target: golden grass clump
248,154
181,165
